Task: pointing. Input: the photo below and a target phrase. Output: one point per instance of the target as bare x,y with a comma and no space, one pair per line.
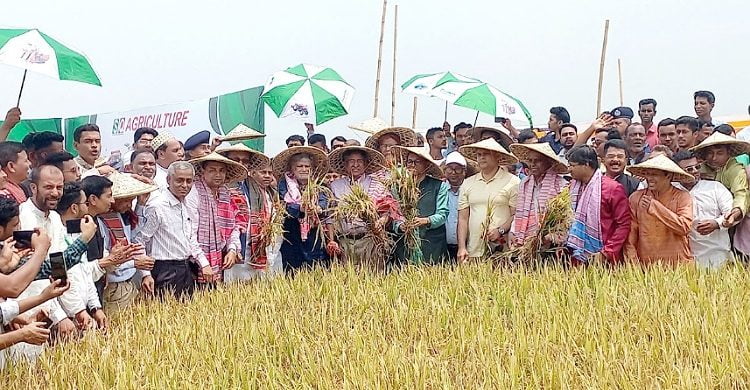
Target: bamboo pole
380,59
601,69
393,86
414,114
619,77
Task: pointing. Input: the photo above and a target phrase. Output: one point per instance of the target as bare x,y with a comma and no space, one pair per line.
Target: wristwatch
501,230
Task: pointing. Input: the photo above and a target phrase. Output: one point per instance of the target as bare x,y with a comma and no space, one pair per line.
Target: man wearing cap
119,226
709,240
198,145
356,164
167,150
536,190
487,200
719,153
169,234
601,215
432,207
455,169
621,119
218,233
662,215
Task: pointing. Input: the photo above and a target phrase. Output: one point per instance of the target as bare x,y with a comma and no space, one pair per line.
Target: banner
219,114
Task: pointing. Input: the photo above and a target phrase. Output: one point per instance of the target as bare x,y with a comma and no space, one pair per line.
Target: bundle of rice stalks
488,247
312,192
537,250
406,192
271,229
357,206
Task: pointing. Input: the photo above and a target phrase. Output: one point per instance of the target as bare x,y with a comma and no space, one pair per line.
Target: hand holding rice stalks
406,192
549,241
310,196
356,206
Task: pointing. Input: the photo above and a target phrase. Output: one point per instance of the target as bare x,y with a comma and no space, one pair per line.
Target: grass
469,327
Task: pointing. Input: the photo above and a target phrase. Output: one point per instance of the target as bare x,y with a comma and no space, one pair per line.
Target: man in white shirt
168,150
169,236
709,239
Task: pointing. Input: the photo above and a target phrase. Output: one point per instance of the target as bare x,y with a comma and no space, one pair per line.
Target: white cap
455,158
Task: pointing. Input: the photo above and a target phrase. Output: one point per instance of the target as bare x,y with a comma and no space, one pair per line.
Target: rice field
439,327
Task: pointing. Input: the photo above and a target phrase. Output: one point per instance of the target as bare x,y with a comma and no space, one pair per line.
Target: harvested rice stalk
406,192
487,251
310,194
271,229
538,249
356,206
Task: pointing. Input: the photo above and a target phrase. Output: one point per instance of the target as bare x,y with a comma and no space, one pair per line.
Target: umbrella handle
476,118
23,81
445,117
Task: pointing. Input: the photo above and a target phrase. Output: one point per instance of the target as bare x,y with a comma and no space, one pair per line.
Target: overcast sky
545,53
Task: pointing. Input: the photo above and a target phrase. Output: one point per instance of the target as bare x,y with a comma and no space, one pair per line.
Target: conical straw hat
406,136
235,171
257,159
336,159
370,126
522,152
470,151
433,168
504,134
126,186
319,160
660,163
242,133
736,146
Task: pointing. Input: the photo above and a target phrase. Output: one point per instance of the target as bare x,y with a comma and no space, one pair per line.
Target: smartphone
499,119
57,261
73,226
23,238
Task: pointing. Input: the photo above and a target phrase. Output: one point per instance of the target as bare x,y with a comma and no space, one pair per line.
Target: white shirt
161,178
711,200
167,231
82,294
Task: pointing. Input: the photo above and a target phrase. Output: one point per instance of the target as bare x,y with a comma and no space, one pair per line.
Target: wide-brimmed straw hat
257,159
470,151
736,146
660,163
319,158
337,163
242,133
126,186
161,139
522,152
406,136
371,126
504,134
433,166
235,171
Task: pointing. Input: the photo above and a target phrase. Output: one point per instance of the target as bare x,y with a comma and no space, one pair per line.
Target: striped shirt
167,231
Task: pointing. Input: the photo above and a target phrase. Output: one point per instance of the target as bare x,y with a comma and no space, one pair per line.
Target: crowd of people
179,216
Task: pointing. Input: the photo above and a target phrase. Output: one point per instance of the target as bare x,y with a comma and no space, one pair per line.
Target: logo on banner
33,55
164,120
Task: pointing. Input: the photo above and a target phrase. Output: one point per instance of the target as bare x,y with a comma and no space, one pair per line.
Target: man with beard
622,117
87,141
65,162
42,144
686,127
615,161
635,138
568,138
647,111
198,145
462,135
143,163
668,133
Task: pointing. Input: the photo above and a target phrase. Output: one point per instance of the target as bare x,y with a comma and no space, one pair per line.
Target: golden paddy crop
439,327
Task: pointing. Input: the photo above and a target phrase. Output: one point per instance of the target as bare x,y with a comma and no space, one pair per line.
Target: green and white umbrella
489,100
37,52
433,85
308,92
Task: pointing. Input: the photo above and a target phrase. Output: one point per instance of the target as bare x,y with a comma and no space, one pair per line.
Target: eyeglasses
692,168
411,162
454,170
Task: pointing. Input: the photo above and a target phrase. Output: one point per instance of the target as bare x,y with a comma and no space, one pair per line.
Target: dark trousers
173,277
452,253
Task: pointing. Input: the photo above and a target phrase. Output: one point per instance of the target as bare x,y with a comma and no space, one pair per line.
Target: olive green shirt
733,176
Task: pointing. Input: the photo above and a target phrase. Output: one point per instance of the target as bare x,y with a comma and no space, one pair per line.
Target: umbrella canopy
308,92
487,99
431,84
36,51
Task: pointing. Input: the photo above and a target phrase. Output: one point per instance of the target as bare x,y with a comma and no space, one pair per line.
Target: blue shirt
549,138
451,224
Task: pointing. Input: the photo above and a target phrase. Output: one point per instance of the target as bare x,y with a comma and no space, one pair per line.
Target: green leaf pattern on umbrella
308,91
38,52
